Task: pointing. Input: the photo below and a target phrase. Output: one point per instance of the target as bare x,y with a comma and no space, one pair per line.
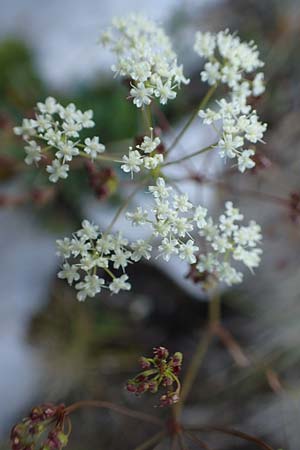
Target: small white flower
49,107
66,151
140,249
119,284
120,259
141,95
152,162
80,247
209,116
93,147
57,170
132,162
211,73
182,203
245,161
69,272
205,44
167,248
160,191
233,212
138,217
64,247
255,129
229,144
164,91
27,129
187,251
258,86
85,118
181,226
200,216
91,286
71,128
149,144
33,153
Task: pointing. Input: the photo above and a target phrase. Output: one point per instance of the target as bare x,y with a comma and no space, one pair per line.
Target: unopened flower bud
144,363
161,352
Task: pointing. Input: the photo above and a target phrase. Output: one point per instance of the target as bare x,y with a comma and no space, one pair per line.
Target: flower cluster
172,220
145,56
226,242
89,250
232,62
160,371
46,418
57,128
144,155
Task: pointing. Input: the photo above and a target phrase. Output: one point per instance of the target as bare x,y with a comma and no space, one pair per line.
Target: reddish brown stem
232,345
117,408
232,432
198,441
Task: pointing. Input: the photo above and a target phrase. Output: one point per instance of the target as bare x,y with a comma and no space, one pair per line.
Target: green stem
214,310
109,272
124,205
191,155
202,104
147,117
101,158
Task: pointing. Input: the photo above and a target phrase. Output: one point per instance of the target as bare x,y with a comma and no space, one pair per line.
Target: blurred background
54,349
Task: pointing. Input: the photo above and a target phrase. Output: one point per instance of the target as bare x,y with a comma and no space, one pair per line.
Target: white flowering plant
215,251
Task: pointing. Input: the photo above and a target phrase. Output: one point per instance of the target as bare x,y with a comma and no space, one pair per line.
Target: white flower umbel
144,56
233,62
90,259
55,132
177,227
174,222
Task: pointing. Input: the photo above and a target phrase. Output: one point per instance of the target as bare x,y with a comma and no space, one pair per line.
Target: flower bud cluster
43,429
57,128
145,56
232,62
144,155
174,221
159,372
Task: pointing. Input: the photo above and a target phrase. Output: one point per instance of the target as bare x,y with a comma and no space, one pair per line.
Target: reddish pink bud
143,387
131,387
161,352
144,363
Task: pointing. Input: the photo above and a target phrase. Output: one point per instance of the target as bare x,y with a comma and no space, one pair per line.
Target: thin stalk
182,444
214,310
232,432
147,117
124,205
198,441
151,441
111,406
101,158
192,370
191,155
200,352
202,104
232,346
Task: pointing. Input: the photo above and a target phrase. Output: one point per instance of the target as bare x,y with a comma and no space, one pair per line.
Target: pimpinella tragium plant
216,249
